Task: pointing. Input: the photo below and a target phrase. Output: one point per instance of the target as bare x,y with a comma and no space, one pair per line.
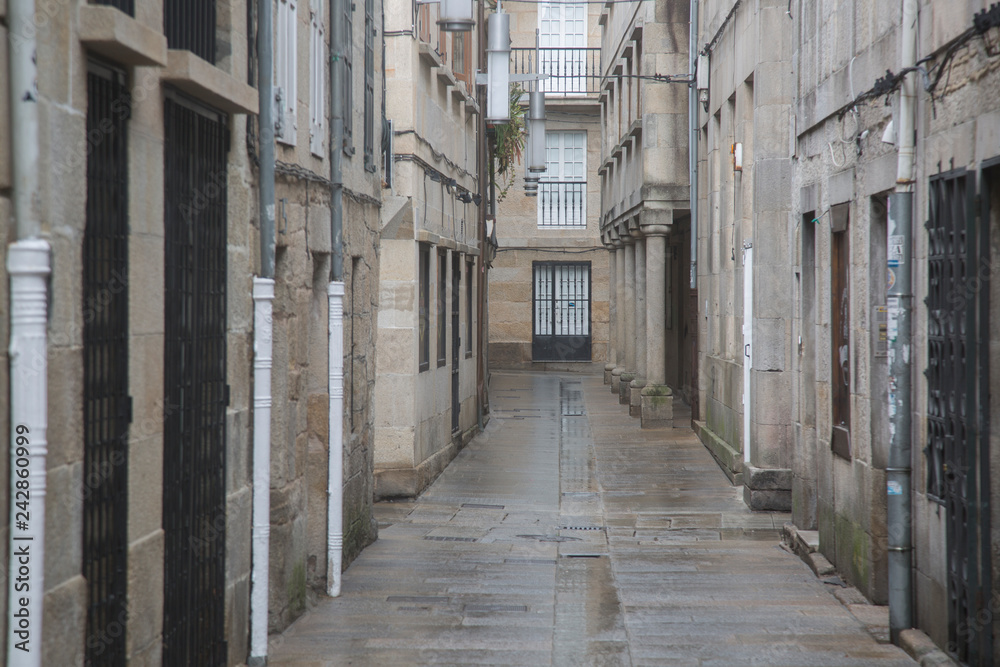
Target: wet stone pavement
565,535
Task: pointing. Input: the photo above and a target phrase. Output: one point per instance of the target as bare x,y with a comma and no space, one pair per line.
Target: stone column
641,331
624,394
657,402
620,319
609,367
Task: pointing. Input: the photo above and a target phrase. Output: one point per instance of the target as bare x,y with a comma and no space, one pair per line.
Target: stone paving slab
564,535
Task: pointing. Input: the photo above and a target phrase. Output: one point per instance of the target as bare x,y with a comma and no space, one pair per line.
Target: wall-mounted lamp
477,199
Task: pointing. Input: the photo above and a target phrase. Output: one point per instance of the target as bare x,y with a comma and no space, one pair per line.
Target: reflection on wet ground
565,535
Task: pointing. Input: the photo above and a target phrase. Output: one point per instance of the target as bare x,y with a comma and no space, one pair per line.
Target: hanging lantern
456,15
498,69
536,131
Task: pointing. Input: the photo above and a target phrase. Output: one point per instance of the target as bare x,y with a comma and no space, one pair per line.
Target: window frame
369,92
424,293
840,330
550,176
347,110
470,267
317,78
286,72
442,308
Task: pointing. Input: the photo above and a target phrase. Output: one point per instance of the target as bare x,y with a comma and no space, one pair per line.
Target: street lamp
536,131
498,72
456,15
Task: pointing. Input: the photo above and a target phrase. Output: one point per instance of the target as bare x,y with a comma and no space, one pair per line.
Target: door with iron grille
107,406
561,304
195,390
957,308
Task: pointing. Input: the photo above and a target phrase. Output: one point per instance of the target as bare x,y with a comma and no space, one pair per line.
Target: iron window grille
946,334
195,390
107,406
190,26
127,6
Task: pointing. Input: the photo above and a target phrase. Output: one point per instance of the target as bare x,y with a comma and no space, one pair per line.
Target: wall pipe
263,297
28,265
693,138
900,306
335,297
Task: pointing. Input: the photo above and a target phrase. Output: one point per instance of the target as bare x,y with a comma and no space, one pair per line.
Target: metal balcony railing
572,71
562,203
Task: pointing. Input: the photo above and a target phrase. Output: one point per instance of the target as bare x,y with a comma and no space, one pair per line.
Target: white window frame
286,72
317,78
555,147
567,67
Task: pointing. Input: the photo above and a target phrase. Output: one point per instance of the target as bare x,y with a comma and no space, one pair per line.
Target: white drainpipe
335,481
263,295
28,266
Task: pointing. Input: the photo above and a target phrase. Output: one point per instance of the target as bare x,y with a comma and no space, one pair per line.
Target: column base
635,396
608,369
625,388
657,406
616,376
767,489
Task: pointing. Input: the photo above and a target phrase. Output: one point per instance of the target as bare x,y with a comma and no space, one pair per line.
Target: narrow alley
565,535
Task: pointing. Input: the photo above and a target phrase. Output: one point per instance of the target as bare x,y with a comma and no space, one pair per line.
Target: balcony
573,72
562,204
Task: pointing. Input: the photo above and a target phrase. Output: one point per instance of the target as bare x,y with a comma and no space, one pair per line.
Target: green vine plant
508,143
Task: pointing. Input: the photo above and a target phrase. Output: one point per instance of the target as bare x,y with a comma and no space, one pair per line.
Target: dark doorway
195,389
107,406
456,339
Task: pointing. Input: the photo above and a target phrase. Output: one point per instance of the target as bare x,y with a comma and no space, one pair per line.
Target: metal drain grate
480,506
490,608
582,555
418,599
530,561
581,527
551,538
448,538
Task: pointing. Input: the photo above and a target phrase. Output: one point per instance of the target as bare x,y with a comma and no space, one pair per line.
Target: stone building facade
429,390
744,197
148,200
122,97
645,209
549,281
807,95
301,375
845,258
